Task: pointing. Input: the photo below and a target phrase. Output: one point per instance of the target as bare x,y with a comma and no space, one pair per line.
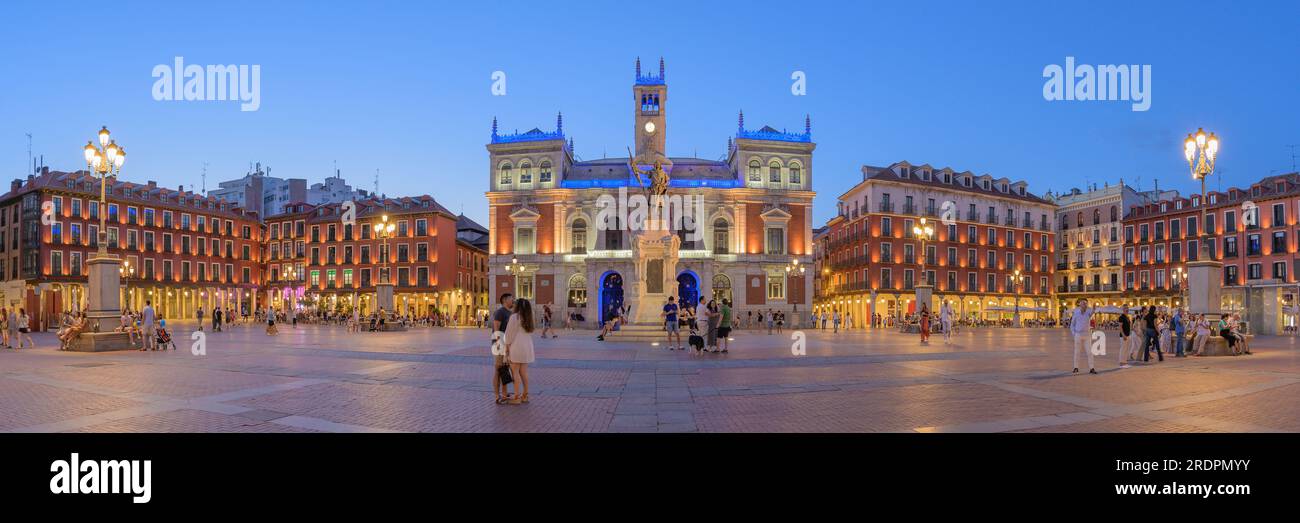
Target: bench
1218,346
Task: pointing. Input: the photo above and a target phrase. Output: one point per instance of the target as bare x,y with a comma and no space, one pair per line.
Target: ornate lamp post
104,274
384,288
924,290
1204,275
1015,292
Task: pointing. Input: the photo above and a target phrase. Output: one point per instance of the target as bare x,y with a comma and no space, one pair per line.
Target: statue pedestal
384,297
654,256
1204,283
101,342
103,301
923,294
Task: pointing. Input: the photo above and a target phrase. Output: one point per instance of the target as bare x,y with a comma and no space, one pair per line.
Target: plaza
318,378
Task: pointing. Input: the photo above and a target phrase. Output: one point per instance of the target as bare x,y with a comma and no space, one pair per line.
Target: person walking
672,328
198,314
147,319
1080,328
519,347
925,322
945,321
216,319
546,322
835,321
270,322
501,320
1125,340
1152,336
24,329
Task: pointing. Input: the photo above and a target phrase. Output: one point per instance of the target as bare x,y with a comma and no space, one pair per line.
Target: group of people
146,325
713,316
15,328
1154,330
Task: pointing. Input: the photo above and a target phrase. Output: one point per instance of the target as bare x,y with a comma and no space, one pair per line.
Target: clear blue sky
405,87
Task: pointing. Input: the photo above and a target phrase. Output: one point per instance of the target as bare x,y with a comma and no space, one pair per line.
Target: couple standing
512,347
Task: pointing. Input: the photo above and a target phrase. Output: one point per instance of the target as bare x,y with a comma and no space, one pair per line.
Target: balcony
1010,221
1078,265
886,207
971,216
991,219
1112,262
909,208
1062,266
1094,263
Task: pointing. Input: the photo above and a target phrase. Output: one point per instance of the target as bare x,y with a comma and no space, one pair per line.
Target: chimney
153,184
16,185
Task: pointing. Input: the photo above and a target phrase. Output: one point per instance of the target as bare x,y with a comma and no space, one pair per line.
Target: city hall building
546,244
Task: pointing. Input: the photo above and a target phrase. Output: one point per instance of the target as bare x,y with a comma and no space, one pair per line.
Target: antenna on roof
1292,147
30,161
376,180
205,178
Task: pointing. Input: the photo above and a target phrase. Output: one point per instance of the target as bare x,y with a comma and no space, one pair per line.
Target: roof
464,222
161,197
680,169
887,174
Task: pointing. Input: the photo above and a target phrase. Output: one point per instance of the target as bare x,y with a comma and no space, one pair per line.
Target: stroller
164,338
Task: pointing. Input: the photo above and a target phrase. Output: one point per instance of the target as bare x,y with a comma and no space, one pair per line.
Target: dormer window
1004,188
986,185
947,178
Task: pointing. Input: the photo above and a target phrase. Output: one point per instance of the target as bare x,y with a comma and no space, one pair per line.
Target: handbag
503,372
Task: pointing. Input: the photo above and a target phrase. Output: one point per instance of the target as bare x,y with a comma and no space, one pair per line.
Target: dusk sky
407,89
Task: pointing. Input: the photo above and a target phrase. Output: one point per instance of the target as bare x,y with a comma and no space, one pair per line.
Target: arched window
1080,219
1096,216
774,172
578,237
507,176
721,236
577,291
525,172
796,173
754,174
721,287
545,176
1114,213
613,234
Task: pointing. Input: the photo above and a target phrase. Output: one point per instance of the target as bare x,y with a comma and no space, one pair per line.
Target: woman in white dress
519,346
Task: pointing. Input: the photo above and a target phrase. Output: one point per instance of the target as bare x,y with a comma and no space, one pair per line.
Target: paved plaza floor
321,378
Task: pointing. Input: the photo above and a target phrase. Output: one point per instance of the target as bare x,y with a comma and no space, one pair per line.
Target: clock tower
650,97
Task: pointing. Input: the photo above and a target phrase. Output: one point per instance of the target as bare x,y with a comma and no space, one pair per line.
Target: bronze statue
658,178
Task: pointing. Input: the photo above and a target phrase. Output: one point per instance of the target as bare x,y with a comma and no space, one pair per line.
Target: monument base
923,297
101,342
1204,286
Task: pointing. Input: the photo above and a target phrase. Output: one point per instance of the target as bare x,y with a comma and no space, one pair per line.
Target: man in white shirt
147,325
1081,328
945,319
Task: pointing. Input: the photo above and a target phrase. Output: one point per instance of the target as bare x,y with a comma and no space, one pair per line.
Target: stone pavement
318,378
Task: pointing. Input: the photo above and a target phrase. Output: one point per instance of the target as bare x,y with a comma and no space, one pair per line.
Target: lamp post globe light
923,291
1204,275
104,271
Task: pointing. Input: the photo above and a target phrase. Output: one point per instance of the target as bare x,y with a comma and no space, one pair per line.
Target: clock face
649,127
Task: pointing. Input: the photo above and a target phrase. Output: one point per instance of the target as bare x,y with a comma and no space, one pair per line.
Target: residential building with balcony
1090,242
985,229
1253,231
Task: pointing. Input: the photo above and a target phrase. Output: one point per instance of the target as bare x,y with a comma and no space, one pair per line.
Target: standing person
216,319
703,322
1125,340
780,321
771,321
835,320
1152,336
671,326
4,327
725,330
519,347
848,320
13,326
546,322
500,320
945,321
24,330
270,322
199,315
1180,332
1080,322
715,323
147,318
924,318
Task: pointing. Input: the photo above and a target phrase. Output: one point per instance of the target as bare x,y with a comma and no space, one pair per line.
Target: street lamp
1201,151
385,230
1179,277
924,231
106,160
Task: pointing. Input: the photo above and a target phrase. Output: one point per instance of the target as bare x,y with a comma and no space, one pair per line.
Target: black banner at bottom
142,473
